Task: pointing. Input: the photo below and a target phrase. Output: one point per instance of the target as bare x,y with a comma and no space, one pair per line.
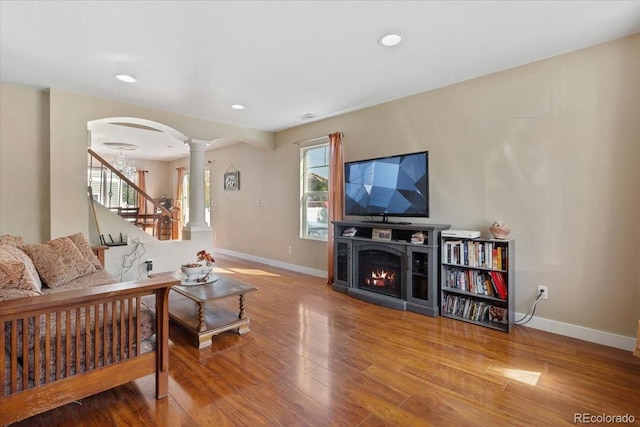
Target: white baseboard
580,332
574,331
273,263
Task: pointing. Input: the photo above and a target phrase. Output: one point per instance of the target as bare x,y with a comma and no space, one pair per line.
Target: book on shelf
472,309
475,253
475,281
499,284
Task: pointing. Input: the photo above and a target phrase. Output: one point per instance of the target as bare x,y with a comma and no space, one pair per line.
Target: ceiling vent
307,116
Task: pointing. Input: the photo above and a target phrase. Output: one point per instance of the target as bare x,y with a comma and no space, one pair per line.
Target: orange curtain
142,184
336,195
178,202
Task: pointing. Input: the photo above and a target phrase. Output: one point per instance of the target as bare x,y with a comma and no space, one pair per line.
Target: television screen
388,186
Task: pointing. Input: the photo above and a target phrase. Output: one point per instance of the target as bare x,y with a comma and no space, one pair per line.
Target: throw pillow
17,271
7,239
82,244
58,261
11,270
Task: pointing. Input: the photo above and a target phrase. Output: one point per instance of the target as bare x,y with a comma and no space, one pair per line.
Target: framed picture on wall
232,181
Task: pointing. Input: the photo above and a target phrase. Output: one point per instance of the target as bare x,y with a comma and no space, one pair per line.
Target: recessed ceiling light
390,40
126,78
237,107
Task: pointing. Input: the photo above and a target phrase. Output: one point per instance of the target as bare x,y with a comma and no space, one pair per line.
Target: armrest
99,252
53,301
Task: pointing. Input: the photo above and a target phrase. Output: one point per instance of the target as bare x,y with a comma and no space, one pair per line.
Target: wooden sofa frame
100,371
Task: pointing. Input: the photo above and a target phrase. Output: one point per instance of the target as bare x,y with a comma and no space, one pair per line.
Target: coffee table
193,307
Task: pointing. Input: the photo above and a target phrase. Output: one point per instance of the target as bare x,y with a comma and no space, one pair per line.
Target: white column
196,187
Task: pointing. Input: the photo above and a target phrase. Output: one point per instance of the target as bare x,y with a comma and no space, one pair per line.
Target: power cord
532,310
133,257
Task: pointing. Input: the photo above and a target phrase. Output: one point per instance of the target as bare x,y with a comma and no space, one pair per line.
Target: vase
499,230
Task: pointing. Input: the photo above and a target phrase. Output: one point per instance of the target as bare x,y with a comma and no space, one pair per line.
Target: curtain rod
304,141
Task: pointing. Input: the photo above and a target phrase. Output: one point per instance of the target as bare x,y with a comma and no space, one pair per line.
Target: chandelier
122,164
125,166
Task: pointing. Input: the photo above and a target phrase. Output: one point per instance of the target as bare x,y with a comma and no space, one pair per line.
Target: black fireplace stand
420,263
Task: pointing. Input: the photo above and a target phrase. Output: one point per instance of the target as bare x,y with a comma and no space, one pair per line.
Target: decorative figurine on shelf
417,238
500,230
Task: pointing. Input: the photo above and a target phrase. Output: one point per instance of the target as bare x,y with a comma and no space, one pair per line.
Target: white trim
273,263
142,122
580,332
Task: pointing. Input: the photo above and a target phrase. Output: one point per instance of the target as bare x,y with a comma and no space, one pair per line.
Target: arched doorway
144,154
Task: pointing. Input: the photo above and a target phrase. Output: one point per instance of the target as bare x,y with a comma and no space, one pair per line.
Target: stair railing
161,218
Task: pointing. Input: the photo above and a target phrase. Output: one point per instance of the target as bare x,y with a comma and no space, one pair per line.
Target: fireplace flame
381,278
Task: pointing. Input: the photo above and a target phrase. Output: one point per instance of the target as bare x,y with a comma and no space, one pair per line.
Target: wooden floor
316,357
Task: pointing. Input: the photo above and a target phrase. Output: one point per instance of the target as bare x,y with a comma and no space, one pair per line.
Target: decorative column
196,187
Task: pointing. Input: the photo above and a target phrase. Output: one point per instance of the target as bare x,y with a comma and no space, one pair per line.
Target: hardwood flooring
316,357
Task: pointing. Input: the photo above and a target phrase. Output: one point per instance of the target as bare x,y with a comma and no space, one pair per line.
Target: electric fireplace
379,270
394,272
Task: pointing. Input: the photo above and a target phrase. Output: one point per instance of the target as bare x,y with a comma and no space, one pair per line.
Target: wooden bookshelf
477,281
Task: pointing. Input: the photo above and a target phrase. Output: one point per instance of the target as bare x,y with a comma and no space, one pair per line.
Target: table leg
241,314
244,327
201,325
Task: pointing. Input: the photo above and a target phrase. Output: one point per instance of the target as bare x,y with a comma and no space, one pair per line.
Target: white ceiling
284,59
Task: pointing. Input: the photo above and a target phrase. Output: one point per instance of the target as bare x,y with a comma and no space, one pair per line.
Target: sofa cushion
58,261
17,271
7,239
84,247
97,278
9,294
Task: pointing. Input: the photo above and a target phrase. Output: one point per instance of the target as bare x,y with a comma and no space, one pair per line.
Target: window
314,218
109,190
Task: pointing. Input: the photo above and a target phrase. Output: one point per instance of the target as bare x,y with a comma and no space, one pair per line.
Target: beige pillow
17,271
83,245
7,239
58,261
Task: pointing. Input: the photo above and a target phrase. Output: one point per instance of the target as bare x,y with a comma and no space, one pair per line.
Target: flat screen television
394,186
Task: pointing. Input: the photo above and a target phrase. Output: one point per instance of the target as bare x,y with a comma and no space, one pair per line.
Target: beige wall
70,113
24,162
263,217
550,148
159,177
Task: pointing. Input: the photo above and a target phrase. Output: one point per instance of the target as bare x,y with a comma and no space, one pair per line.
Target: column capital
196,143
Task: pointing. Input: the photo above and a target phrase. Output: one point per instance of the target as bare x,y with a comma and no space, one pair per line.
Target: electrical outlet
545,292
290,249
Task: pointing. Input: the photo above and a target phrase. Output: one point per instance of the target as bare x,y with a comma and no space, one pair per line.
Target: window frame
305,194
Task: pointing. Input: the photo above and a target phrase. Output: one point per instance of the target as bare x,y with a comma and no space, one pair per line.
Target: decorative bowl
192,268
500,230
